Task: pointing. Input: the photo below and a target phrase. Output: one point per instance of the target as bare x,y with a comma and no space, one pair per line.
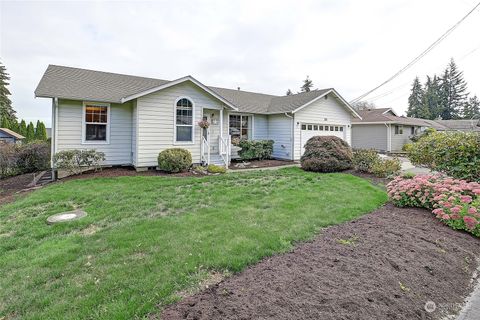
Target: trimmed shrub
75,161
326,154
33,156
455,153
255,149
8,159
24,158
174,160
455,202
364,159
384,168
212,168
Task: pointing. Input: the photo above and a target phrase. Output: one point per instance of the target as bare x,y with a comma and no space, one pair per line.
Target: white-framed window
398,129
96,123
240,126
184,117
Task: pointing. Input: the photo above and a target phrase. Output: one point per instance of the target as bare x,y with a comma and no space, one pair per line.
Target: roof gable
175,82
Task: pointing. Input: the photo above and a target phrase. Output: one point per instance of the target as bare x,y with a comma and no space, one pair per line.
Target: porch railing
205,151
224,149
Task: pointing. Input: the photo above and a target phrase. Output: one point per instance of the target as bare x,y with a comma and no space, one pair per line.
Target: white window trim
84,123
179,143
242,114
400,128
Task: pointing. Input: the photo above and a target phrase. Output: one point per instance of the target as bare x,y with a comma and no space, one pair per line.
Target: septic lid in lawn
66,216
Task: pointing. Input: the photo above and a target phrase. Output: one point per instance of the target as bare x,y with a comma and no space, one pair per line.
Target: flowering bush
455,202
204,124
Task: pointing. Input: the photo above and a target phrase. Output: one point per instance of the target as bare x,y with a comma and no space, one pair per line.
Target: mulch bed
11,187
380,182
239,165
384,265
127,172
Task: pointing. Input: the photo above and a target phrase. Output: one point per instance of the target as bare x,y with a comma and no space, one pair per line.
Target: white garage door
310,130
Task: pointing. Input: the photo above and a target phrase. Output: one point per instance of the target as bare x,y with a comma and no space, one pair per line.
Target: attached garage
309,130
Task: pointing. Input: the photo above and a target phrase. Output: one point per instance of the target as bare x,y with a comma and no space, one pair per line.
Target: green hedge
454,153
255,149
174,160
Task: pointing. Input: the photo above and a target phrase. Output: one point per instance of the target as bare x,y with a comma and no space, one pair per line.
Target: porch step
216,159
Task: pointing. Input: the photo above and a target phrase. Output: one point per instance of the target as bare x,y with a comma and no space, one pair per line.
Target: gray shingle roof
379,115
12,133
82,84
459,125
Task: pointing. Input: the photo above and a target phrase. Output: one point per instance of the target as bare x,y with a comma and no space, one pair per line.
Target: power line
421,55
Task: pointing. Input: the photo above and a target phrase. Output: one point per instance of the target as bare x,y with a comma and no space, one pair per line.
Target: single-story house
383,130
131,119
9,136
464,125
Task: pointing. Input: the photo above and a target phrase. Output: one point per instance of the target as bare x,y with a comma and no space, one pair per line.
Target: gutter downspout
389,137
292,138
54,133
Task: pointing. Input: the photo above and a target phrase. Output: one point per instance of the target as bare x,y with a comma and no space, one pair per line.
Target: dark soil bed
385,265
12,187
379,182
238,164
127,172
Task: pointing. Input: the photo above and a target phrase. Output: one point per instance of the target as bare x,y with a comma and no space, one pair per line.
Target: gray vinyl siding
370,136
398,140
117,151
280,131
260,124
156,121
323,111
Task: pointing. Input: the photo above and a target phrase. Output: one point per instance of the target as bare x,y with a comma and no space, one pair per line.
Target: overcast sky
261,46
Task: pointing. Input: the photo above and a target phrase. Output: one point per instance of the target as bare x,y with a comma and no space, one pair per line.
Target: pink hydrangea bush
455,202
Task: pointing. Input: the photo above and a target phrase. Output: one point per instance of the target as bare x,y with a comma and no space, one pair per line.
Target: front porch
216,142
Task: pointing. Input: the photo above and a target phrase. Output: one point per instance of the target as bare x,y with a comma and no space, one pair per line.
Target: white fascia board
175,82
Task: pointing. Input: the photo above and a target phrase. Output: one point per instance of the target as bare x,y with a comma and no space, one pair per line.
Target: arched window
184,120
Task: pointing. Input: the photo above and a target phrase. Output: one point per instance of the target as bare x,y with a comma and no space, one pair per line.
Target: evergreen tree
415,101
22,128
471,108
307,84
453,93
30,132
4,123
14,126
432,98
289,92
6,110
40,131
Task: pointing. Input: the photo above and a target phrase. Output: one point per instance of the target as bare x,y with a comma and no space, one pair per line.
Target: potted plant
204,124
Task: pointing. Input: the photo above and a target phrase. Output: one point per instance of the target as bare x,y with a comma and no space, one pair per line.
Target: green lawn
146,238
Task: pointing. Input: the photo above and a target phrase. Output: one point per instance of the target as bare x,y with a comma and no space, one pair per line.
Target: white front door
206,131
309,130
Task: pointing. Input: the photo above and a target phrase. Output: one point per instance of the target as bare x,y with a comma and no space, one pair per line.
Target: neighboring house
131,119
383,130
9,136
49,132
456,125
